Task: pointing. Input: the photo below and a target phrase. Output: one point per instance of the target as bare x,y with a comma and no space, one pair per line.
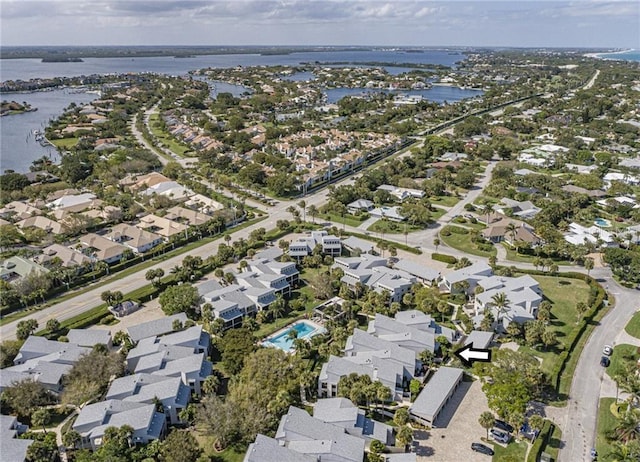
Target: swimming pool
602,222
304,329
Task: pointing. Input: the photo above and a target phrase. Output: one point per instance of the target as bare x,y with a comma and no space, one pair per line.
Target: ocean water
631,55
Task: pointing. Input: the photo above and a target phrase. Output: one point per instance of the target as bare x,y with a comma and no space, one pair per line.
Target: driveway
458,428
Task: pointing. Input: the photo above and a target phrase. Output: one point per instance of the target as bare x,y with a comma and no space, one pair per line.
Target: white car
607,350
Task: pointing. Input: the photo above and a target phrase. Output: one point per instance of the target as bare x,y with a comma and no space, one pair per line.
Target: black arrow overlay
468,355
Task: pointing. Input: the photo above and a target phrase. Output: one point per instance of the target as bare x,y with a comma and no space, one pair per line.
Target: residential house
499,231
435,395
390,213
363,345
625,178
402,193
424,322
452,156
580,235
302,433
524,209
136,239
472,274
170,189
102,249
151,389
359,205
155,328
305,246
73,202
582,169
13,269
394,283
479,339
523,295
14,449
343,413
356,245
43,223
422,273
578,190
90,337
161,226
187,216
18,210
266,449
93,420
69,257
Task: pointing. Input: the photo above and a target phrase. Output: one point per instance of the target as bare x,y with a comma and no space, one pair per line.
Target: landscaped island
13,107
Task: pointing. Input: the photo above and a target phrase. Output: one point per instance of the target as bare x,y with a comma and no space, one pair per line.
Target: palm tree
211,385
588,265
313,211
621,452
436,243
501,302
627,428
303,205
511,229
487,420
404,436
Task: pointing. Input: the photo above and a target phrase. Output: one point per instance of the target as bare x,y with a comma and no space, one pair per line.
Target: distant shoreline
600,55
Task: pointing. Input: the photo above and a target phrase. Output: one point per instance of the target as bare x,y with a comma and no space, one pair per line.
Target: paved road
579,426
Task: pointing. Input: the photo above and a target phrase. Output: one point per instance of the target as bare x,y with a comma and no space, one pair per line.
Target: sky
515,23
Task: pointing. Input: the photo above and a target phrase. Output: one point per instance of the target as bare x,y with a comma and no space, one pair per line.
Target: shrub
540,443
444,258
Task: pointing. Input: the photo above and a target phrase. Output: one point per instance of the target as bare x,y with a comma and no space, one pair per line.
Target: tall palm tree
627,428
621,452
511,229
313,211
303,205
501,302
487,420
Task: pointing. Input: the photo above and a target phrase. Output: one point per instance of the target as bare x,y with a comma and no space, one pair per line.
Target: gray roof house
380,278
360,204
479,339
472,274
146,388
423,321
49,374
193,369
94,419
304,246
362,342
384,370
302,433
387,328
13,449
423,273
90,337
353,243
343,413
155,327
435,395
523,293
49,350
265,449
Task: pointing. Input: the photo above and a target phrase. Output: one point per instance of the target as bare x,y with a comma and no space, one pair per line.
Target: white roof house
580,235
331,245
523,293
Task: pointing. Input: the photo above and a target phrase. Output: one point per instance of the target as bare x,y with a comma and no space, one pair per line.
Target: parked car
604,361
504,426
500,436
481,448
608,350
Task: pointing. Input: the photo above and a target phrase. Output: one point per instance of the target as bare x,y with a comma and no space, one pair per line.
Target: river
18,150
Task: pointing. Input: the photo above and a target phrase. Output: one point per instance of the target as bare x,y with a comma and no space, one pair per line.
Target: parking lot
459,428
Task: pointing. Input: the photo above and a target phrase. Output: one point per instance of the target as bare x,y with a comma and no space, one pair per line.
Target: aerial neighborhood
320,262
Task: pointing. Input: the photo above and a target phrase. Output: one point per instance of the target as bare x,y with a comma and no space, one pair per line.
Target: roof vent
10,265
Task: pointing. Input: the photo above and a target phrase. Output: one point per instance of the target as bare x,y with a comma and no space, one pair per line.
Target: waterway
18,147
18,150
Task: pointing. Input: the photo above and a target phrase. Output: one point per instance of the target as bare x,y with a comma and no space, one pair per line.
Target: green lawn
65,143
463,243
206,443
606,422
436,213
166,139
564,294
553,446
622,354
447,201
514,450
348,219
513,255
633,327
392,227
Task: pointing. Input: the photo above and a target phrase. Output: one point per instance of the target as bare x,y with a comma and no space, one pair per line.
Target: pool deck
318,329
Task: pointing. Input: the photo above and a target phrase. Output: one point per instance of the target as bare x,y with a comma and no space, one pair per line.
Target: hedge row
449,259
541,442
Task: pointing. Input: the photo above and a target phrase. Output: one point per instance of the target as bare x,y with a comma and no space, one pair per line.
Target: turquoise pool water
602,222
304,330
